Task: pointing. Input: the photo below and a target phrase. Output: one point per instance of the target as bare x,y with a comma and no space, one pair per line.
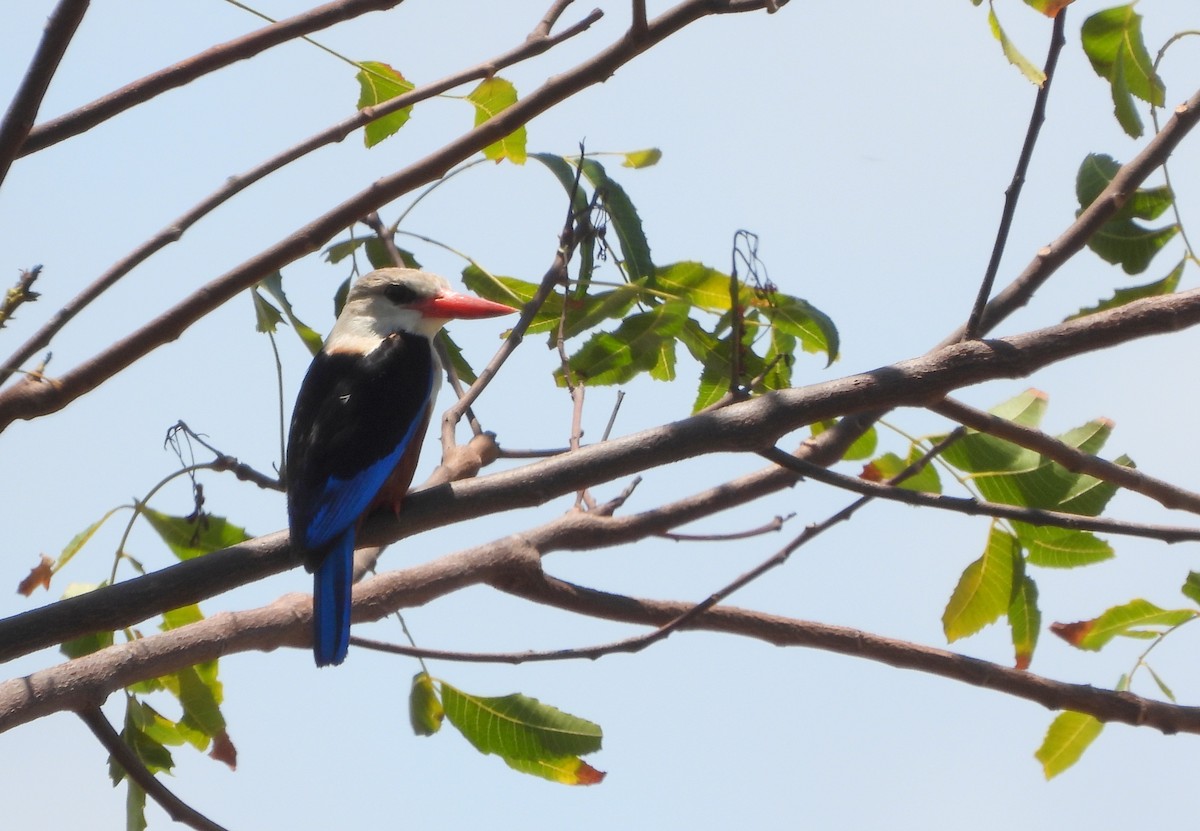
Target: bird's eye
399,294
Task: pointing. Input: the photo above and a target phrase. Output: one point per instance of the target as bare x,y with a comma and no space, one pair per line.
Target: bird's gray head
391,300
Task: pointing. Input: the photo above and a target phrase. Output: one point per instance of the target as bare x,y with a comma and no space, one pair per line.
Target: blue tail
331,602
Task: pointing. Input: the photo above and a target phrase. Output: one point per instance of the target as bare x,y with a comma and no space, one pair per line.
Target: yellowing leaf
490,98
985,590
642,158
378,82
567,770
1067,738
425,711
1013,54
518,727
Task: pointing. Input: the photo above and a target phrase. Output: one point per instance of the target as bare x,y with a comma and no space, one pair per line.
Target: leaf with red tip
223,750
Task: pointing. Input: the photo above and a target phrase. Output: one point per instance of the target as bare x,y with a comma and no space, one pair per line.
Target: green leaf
862,448
1166,285
888,465
425,711
635,250
490,98
1050,8
518,727
95,641
798,317
80,540
377,253
1025,621
1130,245
1013,475
200,695
516,293
1191,587
1089,496
273,283
699,285
189,537
1121,240
457,360
642,158
1131,620
1028,69
1050,547
377,83
635,347
714,353
565,172
1162,685
1112,40
86,644
135,807
1068,737
266,317
985,590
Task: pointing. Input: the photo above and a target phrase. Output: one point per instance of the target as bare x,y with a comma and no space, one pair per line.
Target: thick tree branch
753,426
210,60
1106,705
18,120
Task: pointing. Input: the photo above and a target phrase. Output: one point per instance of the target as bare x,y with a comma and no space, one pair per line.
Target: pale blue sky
869,146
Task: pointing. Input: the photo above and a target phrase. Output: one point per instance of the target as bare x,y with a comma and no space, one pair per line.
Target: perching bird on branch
358,424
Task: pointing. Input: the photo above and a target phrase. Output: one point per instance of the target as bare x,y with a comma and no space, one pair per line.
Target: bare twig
124,756
771,527
1036,118
976,507
18,120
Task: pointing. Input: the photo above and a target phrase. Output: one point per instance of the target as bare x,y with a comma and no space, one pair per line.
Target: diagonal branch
1163,492
15,128
749,426
976,507
1106,705
124,756
210,60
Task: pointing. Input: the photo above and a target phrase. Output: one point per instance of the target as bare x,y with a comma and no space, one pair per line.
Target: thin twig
18,120
976,507
210,60
1036,119
773,526
124,756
